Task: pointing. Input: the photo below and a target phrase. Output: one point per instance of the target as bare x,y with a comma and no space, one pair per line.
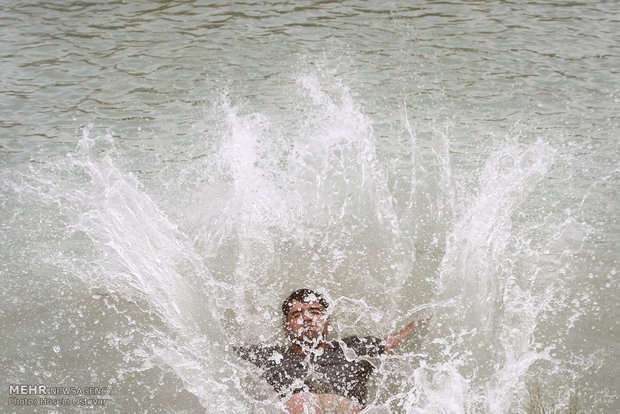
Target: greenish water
171,170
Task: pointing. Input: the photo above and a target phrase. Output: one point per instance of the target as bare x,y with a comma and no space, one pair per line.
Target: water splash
488,332
285,207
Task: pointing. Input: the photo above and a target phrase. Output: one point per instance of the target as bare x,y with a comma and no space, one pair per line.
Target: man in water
314,375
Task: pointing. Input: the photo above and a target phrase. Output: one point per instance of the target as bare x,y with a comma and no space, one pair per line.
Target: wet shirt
342,368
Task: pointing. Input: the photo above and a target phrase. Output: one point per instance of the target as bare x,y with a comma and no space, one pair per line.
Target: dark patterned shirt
342,368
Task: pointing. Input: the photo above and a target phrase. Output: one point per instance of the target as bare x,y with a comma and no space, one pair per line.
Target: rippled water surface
171,170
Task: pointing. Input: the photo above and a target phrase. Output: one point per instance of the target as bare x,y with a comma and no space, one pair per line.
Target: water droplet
56,348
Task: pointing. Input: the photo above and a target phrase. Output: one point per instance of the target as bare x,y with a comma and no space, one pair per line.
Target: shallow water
172,170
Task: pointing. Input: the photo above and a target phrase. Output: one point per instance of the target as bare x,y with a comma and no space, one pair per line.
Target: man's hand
418,328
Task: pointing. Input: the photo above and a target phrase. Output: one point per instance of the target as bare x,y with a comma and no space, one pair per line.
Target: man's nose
308,316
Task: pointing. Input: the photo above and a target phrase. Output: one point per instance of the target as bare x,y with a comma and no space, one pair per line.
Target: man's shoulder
366,345
354,339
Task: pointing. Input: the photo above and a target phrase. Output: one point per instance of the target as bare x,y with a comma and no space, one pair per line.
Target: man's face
306,323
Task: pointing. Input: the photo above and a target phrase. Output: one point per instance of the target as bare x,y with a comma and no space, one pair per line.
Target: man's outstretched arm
418,328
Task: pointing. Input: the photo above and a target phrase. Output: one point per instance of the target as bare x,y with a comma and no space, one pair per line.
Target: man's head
305,318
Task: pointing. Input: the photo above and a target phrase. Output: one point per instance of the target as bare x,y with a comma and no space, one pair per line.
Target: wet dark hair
305,296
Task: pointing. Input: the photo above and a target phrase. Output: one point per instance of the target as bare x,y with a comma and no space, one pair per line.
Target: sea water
171,170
